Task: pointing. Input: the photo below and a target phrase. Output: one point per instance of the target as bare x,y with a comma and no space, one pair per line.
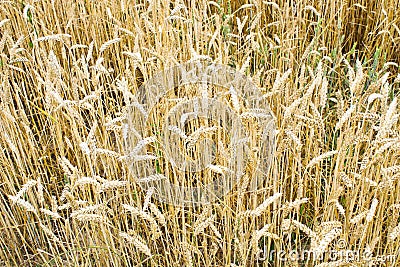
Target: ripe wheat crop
69,76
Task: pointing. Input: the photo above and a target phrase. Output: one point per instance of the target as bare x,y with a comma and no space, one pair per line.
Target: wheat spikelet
3,22
138,243
194,137
357,83
91,138
254,115
287,207
394,233
312,9
345,117
66,189
85,148
202,224
261,208
357,219
27,8
178,8
114,121
186,116
135,56
158,214
371,212
142,143
40,194
294,137
245,65
320,158
280,80
304,228
218,168
372,97
346,180
54,204
386,146
178,131
323,93
55,37
18,60
108,152
187,253
90,217
76,46
89,55
22,203
261,233
371,182
152,178
364,163
87,210
29,184
386,124
145,216
16,68
49,232
87,181
137,158
397,80
234,99
108,44
10,143
340,208
147,198
67,167
327,239
113,184
128,32
290,109
50,213
215,230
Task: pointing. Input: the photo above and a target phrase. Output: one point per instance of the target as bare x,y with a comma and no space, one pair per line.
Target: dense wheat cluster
328,70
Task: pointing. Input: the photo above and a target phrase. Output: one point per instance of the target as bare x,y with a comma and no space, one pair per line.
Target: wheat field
328,71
